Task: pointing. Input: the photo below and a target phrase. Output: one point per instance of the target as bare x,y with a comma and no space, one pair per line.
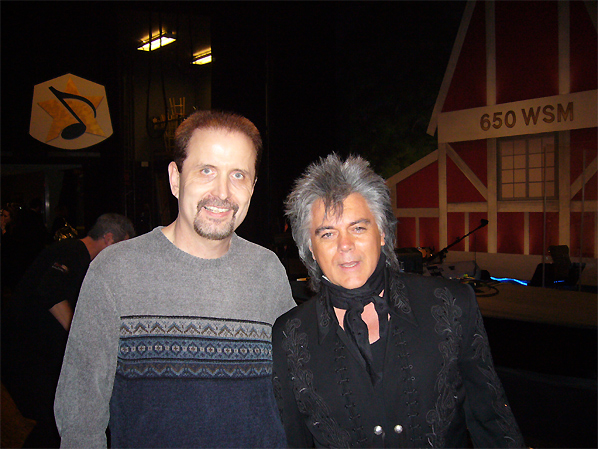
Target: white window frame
527,167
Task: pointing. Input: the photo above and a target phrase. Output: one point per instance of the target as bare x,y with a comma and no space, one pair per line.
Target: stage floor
539,305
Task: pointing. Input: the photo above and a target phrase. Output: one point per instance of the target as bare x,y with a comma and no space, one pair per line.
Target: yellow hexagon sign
70,112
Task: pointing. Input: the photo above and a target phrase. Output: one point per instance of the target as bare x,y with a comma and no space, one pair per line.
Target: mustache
216,202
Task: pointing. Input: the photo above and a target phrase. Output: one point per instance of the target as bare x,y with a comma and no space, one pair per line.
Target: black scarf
353,301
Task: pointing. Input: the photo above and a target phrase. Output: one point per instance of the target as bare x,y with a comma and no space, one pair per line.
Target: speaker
410,260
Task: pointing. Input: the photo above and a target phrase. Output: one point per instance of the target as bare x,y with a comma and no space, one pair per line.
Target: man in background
40,317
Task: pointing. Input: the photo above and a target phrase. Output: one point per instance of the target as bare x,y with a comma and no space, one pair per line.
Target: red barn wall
584,49
405,232
428,233
474,154
458,188
589,236
527,67
419,189
510,232
478,241
468,86
536,231
584,140
456,230
527,64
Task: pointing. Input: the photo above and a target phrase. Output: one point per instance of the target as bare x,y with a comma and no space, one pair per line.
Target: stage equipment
456,270
410,260
440,255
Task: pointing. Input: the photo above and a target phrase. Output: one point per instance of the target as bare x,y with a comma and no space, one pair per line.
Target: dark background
315,77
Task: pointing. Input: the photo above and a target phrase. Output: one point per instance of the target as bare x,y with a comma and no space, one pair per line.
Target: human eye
206,171
239,176
325,234
360,228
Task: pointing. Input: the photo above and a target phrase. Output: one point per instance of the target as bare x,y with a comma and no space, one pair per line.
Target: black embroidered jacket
439,380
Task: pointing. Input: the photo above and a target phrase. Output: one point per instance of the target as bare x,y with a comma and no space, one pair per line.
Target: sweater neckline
169,247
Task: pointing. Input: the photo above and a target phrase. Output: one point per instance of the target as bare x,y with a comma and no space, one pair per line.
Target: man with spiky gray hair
378,358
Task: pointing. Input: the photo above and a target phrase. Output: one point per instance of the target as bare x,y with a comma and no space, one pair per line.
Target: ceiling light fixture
205,57
156,42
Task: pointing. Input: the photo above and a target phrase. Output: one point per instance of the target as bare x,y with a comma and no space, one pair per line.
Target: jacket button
398,428
378,430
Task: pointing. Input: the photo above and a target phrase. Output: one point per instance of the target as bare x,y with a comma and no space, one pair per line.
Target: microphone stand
442,253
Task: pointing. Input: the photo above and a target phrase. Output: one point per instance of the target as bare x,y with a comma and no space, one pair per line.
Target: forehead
354,208
221,145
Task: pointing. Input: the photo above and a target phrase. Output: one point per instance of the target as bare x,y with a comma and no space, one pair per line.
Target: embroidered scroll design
310,403
482,352
447,317
399,298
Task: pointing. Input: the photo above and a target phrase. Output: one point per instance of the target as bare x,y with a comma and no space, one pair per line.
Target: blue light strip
509,279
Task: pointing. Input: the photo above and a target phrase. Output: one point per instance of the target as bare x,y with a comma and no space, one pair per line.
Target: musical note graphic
62,106
74,130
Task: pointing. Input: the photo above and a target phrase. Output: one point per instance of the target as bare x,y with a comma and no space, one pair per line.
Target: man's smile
217,210
351,264
217,207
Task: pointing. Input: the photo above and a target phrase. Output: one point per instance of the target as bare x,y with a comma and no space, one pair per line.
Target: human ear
174,178
109,238
253,186
382,242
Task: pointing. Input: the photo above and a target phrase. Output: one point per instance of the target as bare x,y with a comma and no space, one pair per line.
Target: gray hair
119,225
333,180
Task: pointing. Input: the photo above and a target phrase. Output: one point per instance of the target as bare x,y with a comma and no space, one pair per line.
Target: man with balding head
171,343
40,319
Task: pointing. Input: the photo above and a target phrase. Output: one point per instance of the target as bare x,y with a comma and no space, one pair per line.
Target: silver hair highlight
120,226
332,180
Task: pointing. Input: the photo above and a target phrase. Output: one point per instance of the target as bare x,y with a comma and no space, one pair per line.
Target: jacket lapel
400,305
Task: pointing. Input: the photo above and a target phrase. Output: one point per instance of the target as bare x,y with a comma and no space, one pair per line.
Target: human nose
345,242
221,188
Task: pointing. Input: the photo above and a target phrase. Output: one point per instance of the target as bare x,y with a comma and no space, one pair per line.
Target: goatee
214,230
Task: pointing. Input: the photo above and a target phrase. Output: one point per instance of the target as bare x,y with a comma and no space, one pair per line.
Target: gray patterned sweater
172,350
